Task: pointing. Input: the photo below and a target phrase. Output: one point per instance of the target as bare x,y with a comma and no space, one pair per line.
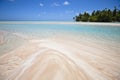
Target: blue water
50,30
102,34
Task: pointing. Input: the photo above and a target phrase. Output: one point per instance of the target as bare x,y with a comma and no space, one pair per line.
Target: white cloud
56,4
41,4
66,3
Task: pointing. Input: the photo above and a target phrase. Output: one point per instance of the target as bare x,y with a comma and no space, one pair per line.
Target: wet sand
62,58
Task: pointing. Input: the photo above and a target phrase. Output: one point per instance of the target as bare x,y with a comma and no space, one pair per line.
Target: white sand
45,22
61,59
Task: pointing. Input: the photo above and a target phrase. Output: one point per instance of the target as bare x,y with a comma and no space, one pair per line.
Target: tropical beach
60,56
59,40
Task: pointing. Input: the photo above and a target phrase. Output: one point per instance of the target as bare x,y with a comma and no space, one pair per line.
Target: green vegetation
105,15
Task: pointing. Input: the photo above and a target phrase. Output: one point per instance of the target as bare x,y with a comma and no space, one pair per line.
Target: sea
46,30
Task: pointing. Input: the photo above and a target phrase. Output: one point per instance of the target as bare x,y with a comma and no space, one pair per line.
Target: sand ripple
60,59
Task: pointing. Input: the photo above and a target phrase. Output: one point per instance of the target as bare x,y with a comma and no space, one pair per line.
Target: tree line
105,15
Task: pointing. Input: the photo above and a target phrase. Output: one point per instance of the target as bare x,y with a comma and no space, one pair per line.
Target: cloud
41,4
66,3
56,4
60,4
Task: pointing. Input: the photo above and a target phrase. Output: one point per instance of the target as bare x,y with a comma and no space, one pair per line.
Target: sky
51,10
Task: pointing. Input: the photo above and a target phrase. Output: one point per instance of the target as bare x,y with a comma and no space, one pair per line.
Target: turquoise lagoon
49,30
102,33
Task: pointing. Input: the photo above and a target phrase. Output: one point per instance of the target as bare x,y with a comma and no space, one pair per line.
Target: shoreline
57,57
61,55
57,22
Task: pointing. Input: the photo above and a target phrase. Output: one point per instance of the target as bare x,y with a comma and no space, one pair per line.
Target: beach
64,53
60,22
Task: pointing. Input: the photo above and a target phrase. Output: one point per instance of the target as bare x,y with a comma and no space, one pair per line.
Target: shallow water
49,30
104,34
60,52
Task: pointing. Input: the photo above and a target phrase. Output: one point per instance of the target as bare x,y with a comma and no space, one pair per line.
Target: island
105,15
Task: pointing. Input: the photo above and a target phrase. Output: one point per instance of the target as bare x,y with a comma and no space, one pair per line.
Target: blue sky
54,10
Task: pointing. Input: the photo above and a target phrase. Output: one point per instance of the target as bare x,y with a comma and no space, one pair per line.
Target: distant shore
57,22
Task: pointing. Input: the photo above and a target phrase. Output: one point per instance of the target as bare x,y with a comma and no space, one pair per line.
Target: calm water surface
110,34
50,30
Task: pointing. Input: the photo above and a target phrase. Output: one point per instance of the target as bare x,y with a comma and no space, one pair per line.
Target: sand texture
55,53
61,59
59,22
